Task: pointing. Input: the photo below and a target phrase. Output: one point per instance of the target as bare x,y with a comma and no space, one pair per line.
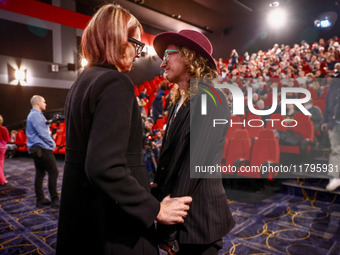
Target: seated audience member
11,146
316,117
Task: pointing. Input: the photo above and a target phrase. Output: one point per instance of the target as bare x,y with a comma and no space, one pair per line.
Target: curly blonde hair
198,67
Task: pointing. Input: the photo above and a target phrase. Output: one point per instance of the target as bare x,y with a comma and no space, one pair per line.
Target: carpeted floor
278,224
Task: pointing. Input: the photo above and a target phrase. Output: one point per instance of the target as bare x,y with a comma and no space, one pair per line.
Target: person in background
157,106
4,138
331,122
106,204
316,117
40,146
11,146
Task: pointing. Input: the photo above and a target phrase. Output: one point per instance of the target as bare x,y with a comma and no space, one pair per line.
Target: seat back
275,123
238,148
265,149
255,125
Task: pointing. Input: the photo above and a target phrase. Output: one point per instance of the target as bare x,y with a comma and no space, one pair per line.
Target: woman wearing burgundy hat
188,54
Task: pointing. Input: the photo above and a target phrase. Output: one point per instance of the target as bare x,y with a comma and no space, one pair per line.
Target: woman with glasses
189,141
106,205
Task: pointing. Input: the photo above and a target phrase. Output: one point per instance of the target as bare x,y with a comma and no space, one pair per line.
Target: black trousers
45,162
200,249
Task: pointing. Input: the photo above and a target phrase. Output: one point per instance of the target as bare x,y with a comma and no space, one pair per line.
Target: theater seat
58,141
159,124
306,128
265,152
321,104
276,118
21,141
256,127
238,149
230,131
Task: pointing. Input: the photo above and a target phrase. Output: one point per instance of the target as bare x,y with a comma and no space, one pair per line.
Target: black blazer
106,205
209,217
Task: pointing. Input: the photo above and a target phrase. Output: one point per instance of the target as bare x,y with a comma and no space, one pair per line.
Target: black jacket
332,107
106,205
209,217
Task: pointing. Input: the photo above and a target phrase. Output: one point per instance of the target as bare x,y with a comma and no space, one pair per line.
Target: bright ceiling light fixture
326,20
83,62
274,4
277,18
322,23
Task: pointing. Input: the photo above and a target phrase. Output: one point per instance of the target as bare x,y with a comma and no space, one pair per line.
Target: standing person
40,146
106,204
4,138
331,121
157,106
186,55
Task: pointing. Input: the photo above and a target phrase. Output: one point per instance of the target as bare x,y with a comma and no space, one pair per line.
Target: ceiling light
83,62
20,75
176,16
274,4
277,18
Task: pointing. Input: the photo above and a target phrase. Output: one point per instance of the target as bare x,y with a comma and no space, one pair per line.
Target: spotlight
20,75
277,18
83,62
274,4
176,16
325,20
17,76
322,23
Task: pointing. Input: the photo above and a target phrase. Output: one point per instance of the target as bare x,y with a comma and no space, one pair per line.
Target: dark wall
15,102
25,41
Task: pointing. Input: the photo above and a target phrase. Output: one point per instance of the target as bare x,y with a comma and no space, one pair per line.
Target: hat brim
161,42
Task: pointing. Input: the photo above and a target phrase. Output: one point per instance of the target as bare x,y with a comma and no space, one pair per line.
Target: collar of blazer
106,65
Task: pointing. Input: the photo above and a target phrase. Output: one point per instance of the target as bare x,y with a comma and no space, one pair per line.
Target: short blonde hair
105,38
1,120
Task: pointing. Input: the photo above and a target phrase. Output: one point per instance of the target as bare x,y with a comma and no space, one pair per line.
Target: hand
173,210
153,185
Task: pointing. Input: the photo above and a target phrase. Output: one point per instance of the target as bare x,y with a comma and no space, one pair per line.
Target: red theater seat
238,149
21,141
305,127
276,118
321,104
255,125
265,152
233,119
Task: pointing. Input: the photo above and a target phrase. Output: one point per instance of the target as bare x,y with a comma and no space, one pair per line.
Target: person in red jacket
4,138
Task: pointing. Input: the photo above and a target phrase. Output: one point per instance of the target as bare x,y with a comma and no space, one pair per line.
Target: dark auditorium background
37,34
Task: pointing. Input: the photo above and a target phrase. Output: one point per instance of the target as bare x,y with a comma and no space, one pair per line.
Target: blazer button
162,168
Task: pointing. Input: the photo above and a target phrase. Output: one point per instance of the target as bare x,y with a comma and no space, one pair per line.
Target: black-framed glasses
139,45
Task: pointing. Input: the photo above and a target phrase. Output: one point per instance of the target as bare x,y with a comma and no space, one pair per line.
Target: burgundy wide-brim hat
191,39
